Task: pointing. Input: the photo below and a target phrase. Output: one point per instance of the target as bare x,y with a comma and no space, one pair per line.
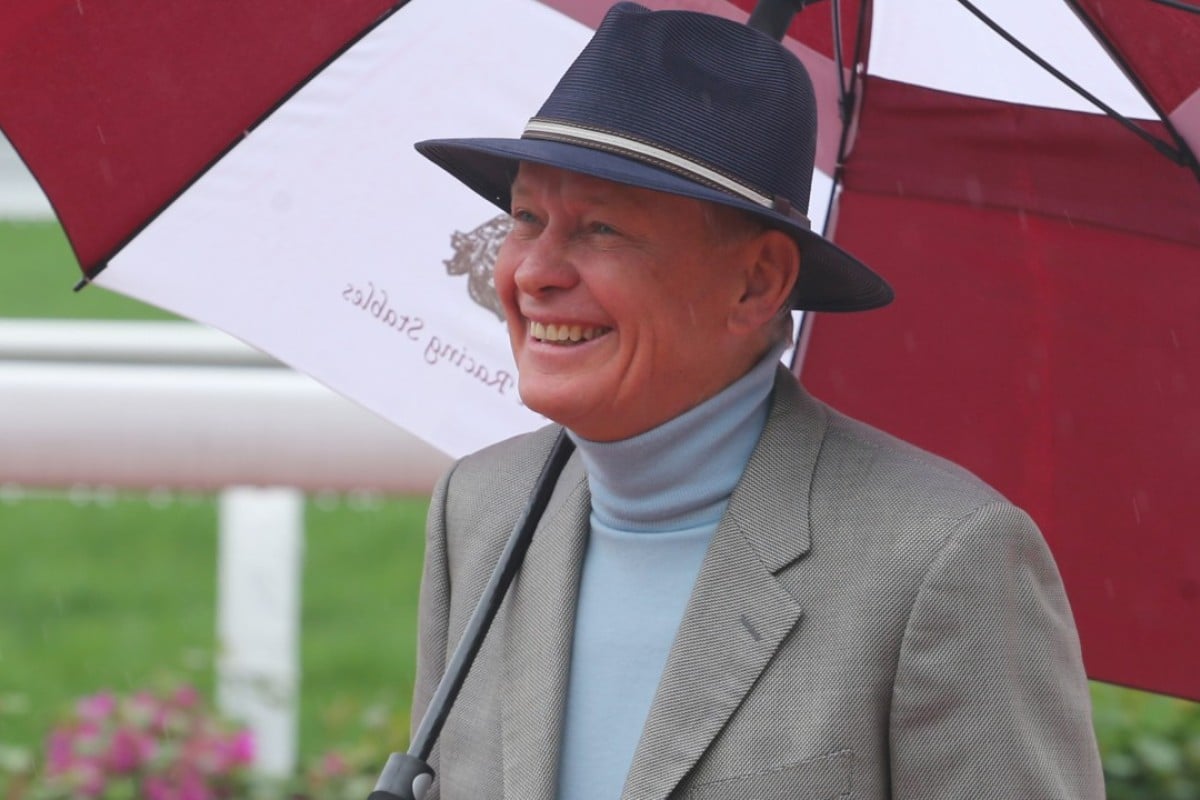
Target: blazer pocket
822,778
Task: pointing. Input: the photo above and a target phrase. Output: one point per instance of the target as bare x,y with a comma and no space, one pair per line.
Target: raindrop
1141,503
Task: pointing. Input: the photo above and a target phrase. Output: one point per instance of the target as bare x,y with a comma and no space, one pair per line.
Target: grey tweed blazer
870,621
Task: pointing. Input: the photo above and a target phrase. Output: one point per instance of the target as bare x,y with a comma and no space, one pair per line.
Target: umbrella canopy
253,170
1046,262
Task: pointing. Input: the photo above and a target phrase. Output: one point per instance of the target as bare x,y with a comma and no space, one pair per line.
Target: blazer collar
739,613
789,446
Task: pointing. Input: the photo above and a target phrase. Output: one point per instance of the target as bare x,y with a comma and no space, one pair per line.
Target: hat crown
691,105
709,89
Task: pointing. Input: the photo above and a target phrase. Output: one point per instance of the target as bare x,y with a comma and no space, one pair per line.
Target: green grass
122,596
97,598
37,273
362,573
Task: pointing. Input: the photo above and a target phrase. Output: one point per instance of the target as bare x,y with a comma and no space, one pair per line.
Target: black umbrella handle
404,777
407,776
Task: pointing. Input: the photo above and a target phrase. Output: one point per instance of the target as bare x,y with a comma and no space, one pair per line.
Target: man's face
618,302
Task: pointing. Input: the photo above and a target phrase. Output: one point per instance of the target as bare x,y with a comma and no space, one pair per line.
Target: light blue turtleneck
656,502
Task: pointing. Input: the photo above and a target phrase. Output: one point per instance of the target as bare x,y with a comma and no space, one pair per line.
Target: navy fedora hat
689,104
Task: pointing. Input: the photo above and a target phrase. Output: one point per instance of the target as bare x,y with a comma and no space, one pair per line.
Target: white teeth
563,333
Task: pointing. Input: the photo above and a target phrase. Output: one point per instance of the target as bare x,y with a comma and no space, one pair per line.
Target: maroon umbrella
1046,255
1046,332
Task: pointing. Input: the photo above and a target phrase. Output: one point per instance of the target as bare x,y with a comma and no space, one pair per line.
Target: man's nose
545,265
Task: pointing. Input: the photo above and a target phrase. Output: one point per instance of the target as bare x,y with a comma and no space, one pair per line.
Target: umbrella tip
84,282
772,17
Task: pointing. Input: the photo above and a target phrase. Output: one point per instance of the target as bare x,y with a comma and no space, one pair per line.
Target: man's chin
560,402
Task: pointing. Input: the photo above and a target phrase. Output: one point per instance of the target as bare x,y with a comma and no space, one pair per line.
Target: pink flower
193,787
142,709
97,707
202,752
333,765
88,777
87,738
185,697
156,787
128,750
60,751
169,747
240,748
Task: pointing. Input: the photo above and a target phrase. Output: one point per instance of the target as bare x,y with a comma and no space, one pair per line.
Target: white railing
172,405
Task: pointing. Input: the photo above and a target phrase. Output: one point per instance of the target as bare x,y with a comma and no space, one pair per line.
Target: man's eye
524,216
602,228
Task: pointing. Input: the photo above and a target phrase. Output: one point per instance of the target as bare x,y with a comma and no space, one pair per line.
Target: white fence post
258,618
156,406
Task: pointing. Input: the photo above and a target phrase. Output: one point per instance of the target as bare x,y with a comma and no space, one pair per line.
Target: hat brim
830,278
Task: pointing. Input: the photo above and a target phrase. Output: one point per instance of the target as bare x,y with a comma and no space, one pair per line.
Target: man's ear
770,267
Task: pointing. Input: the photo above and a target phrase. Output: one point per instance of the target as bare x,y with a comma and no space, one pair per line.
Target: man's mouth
565,334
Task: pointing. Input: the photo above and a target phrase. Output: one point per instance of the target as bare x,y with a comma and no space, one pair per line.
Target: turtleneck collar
680,474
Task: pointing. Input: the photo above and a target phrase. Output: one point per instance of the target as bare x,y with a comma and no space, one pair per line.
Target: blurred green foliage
1150,744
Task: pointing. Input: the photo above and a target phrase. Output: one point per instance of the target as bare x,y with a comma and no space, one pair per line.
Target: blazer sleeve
990,698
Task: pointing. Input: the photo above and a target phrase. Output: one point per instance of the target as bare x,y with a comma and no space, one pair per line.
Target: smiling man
735,591
617,318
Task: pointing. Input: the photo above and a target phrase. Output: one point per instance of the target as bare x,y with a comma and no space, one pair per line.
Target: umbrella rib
843,91
849,95
1179,4
1180,143
1162,147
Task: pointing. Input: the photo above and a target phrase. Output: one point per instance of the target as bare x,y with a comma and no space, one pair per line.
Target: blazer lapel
738,614
538,624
